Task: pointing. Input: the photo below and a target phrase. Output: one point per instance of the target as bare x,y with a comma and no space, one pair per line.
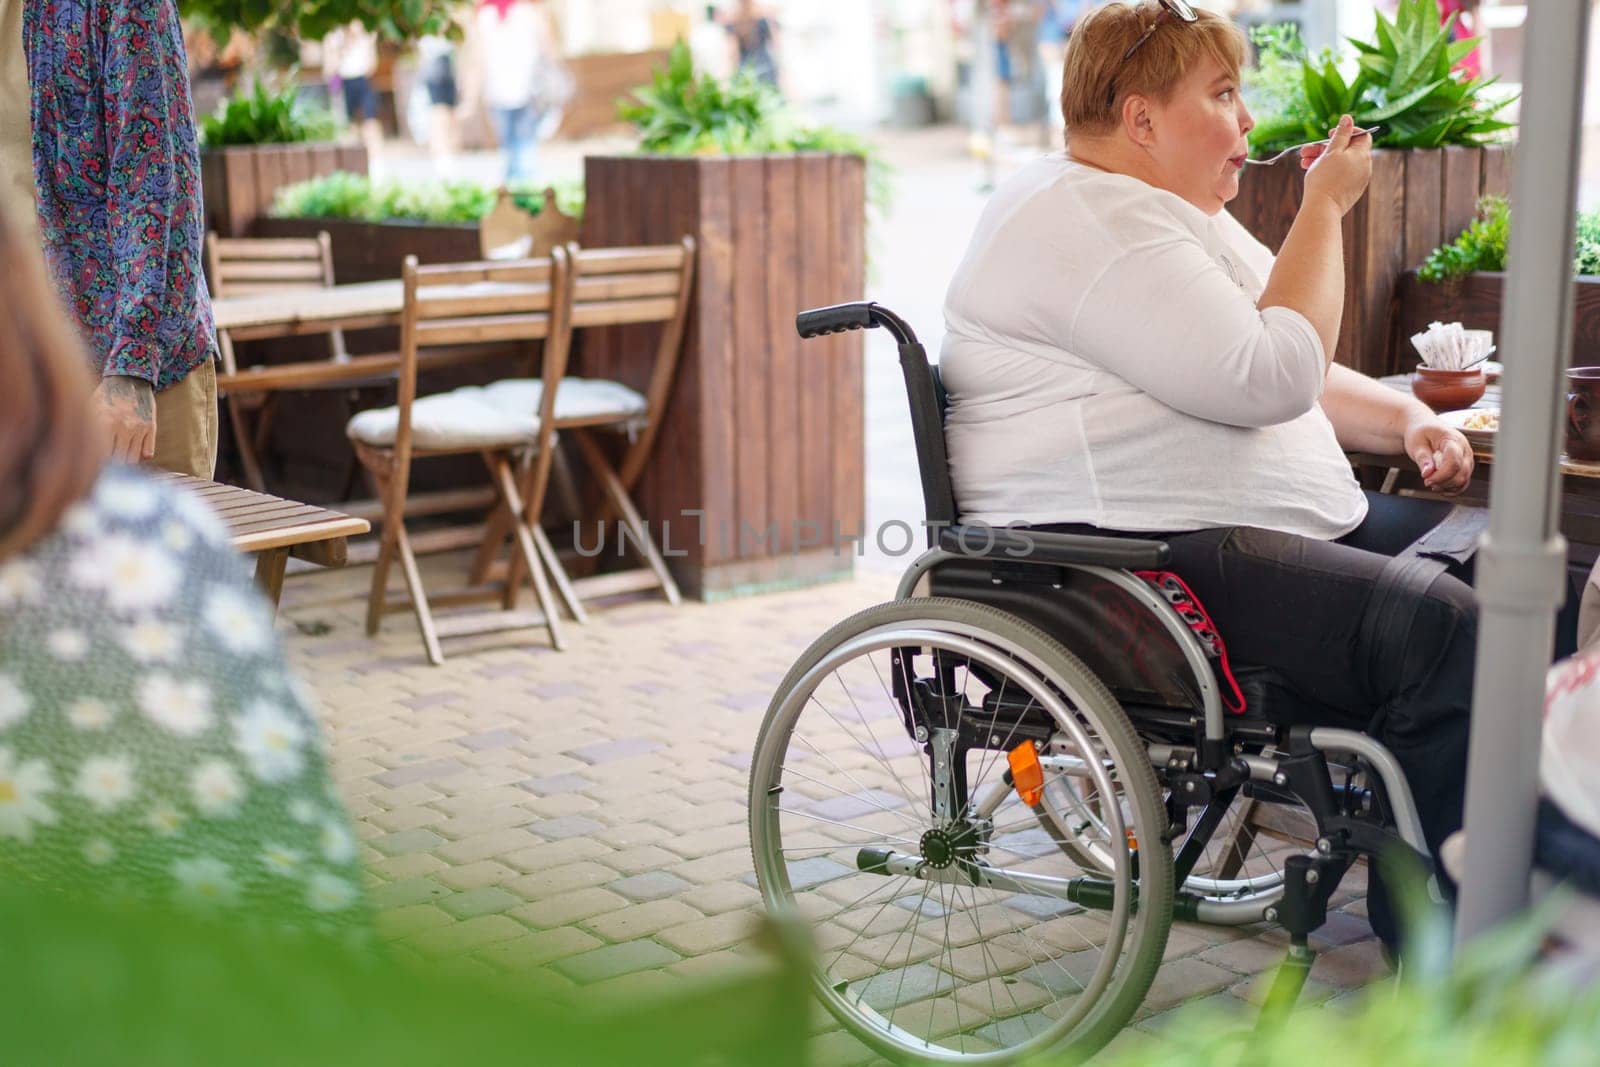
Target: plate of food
1478,424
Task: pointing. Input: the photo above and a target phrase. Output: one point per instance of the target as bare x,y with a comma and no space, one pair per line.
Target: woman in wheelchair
1123,358
991,803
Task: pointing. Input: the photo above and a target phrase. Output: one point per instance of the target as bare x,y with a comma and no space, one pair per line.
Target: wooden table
273,529
1580,483
338,307
1483,453
300,311
363,305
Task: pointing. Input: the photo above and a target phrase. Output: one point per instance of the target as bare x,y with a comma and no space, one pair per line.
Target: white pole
1521,567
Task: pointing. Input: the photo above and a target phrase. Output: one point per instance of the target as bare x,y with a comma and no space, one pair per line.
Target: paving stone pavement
579,817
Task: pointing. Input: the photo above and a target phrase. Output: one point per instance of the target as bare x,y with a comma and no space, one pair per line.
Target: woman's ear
1138,119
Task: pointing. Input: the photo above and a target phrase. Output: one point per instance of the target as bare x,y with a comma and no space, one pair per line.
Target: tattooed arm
127,409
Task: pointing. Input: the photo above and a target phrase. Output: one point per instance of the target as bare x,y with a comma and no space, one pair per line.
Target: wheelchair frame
1203,757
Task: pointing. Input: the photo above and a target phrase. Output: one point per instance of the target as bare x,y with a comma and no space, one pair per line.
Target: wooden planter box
1417,200
1476,302
239,182
761,434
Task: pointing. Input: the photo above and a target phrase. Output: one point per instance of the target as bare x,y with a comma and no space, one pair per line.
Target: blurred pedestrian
1466,12
436,69
1002,25
116,173
522,75
154,745
1055,26
708,44
351,55
755,35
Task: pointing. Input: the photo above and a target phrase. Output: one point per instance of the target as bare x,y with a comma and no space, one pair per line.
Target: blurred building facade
848,60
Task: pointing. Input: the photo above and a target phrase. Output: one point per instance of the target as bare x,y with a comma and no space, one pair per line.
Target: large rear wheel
903,800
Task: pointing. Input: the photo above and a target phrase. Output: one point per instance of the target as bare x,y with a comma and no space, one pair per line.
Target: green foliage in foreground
1492,1005
1482,245
262,115
343,195
93,983
1403,81
88,983
1490,1011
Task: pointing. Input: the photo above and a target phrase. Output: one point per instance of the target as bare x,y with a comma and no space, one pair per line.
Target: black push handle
834,319
857,315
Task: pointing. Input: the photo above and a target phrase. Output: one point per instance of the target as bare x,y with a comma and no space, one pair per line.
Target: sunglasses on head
1177,9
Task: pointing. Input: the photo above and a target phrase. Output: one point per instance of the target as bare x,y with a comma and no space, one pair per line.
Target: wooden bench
273,529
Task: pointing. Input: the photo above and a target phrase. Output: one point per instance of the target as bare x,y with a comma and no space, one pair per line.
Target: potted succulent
762,445
258,140
1464,281
1440,150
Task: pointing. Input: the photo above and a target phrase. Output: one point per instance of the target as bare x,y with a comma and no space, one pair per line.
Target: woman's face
1199,143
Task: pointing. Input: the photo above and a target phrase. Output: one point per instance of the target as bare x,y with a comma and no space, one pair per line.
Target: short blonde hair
1095,71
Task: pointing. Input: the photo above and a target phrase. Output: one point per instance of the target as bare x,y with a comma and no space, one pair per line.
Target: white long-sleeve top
1107,364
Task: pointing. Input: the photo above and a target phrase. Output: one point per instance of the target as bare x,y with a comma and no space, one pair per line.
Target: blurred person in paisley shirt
116,174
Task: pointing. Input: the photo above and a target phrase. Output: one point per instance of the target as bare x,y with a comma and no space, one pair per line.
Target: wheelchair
990,798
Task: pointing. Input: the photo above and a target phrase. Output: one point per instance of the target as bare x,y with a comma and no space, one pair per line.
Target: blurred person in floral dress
154,747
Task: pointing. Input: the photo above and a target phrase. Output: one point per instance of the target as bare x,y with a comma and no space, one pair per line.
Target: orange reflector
1026,774
1133,841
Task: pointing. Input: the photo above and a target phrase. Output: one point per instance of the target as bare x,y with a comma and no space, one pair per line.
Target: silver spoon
1295,148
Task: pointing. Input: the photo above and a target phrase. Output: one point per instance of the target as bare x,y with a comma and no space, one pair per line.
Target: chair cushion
460,419
578,398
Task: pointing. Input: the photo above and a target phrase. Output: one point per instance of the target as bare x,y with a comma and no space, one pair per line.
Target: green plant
99,980
263,115
1275,87
1403,81
1489,1006
1586,253
343,195
104,981
1482,245
398,20
684,113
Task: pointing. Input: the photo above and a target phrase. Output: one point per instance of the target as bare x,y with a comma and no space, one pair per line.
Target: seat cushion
460,419
578,398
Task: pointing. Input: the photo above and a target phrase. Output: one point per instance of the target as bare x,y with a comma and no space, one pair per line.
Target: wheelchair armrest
1013,545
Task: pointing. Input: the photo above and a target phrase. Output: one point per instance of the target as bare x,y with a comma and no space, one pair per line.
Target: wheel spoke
846,825
862,793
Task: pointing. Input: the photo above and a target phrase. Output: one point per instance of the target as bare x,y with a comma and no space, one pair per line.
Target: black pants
1296,605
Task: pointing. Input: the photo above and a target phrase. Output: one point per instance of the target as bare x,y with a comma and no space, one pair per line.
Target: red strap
1189,608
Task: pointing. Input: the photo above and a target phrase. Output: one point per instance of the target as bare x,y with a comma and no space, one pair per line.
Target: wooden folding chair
248,266
455,305
607,287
